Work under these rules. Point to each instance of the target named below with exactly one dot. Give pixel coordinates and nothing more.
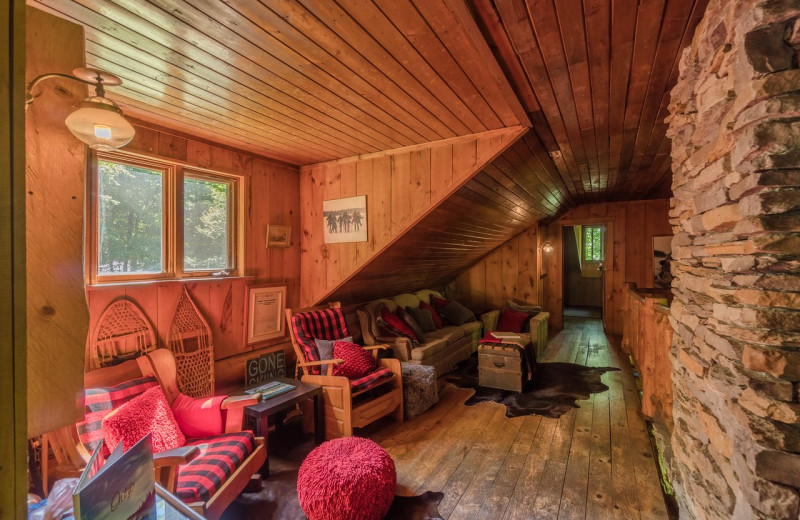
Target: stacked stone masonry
(735, 131)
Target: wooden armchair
(71, 455)
(347, 403)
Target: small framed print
(265, 305)
(278, 236)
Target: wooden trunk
(502, 366)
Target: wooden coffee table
(262, 411)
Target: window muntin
(188, 228)
(593, 243)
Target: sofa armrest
(401, 347)
(166, 464)
(489, 320)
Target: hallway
(593, 462)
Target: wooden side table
(262, 411)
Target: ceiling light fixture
(98, 121)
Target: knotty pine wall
(510, 271)
(272, 197)
(401, 186)
(630, 228)
(54, 183)
(517, 270)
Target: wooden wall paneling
(402, 207)
(527, 277)
(509, 270)
(364, 185)
(635, 233)
(57, 312)
(333, 190)
(349, 188)
(441, 170)
(403, 183)
(258, 214)
(13, 352)
(494, 279)
(382, 184)
(313, 251)
(618, 270)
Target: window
(155, 220)
(592, 243)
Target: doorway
(584, 253)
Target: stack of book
(270, 389)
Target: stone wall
(735, 129)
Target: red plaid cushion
(323, 324)
(372, 379)
(219, 457)
(99, 402)
(357, 361)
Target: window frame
(585, 231)
(172, 245)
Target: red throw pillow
(199, 418)
(357, 361)
(512, 321)
(438, 303)
(395, 324)
(437, 320)
(148, 413)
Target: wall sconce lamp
(547, 247)
(98, 121)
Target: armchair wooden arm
(330, 362)
(375, 348)
(166, 464)
(234, 410)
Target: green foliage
(205, 224)
(130, 219)
(592, 244)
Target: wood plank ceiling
(301, 81)
(595, 77)
(306, 81)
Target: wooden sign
(265, 367)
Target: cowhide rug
(277, 499)
(553, 390)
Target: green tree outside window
(593, 244)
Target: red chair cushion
(372, 379)
(199, 417)
(147, 413)
(218, 459)
(357, 361)
(512, 321)
(437, 320)
(99, 402)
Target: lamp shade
(99, 123)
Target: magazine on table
(121, 488)
(271, 389)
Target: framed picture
(264, 305)
(278, 236)
(345, 220)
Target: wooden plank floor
(593, 462)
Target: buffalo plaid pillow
(99, 402)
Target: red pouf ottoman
(347, 479)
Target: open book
(122, 488)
